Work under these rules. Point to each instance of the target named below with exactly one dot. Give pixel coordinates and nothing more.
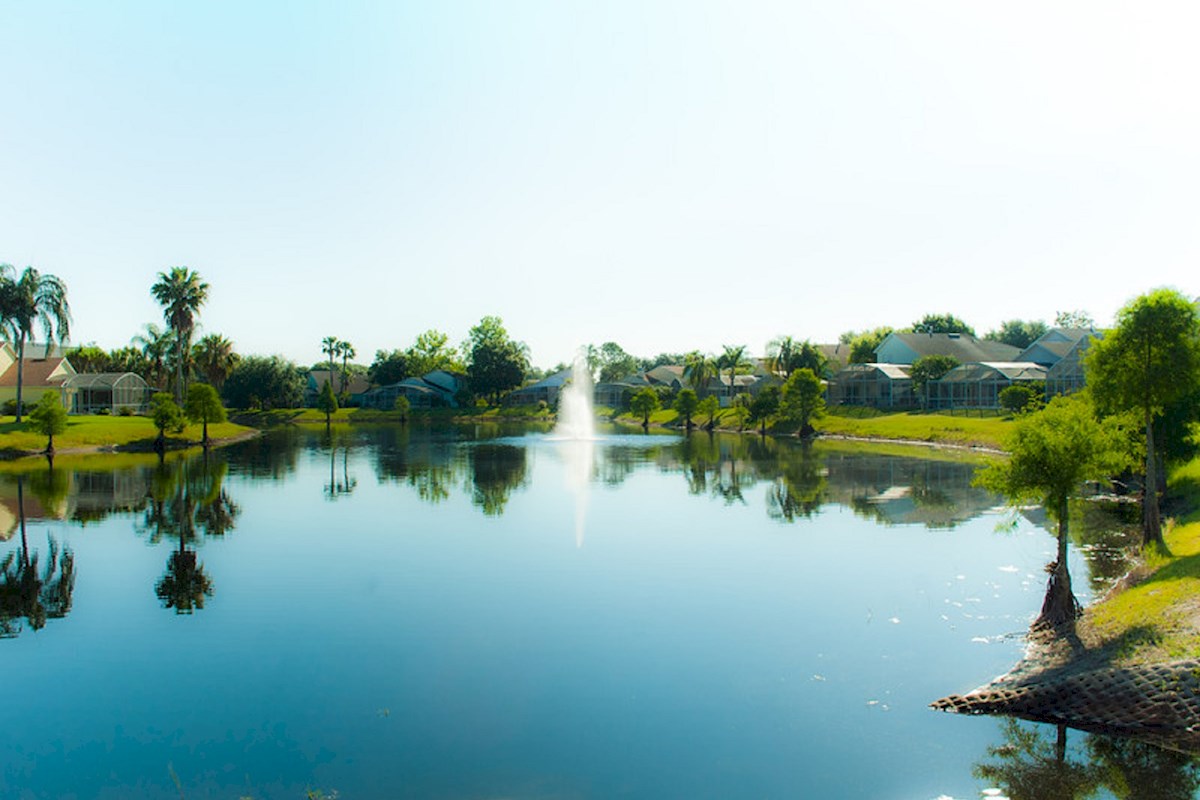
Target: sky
(668, 176)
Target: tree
(346, 351)
(32, 300)
(644, 403)
(1074, 319)
(401, 406)
(49, 418)
(88, 358)
(155, 346)
(785, 355)
(180, 292)
(765, 406)
(327, 402)
(388, 368)
(942, 323)
(615, 363)
(1150, 360)
(204, 406)
(1020, 398)
(930, 368)
(803, 399)
(264, 382)
(698, 369)
(734, 359)
(167, 416)
(432, 351)
(741, 409)
(1018, 333)
(862, 345)
(1052, 453)
(215, 359)
(496, 363)
(329, 346)
(686, 404)
(708, 407)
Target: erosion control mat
(1160, 702)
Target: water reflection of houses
(63, 494)
(896, 490)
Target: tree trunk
(20, 371)
(1151, 521)
(1059, 608)
(204, 438)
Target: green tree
(1020, 398)
(615, 363)
(1018, 333)
(402, 407)
(203, 405)
(1150, 360)
(862, 345)
(388, 368)
(214, 358)
(698, 369)
(741, 409)
(496, 363)
(734, 359)
(49, 418)
(347, 352)
(155, 345)
(264, 382)
(644, 403)
(686, 404)
(930, 368)
(708, 407)
(432, 351)
(329, 346)
(803, 399)
(32, 300)
(327, 402)
(1052, 453)
(167, 416)
(942, 323)
(765, 407)
(180, 292)
(88, 358)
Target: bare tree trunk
(1059, 608)
(20, 371)
(1151, 521)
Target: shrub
(1019, 398)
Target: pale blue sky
(670, 176)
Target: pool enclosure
(108, 393)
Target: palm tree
(698, 370)
(781, 352)
(155, 346)
(329, 346)
(33, 299)
(734, 357)
(215, 359)
(180, 292)
(346, 351)
(24, 593)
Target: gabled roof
(40, 372)
(896, 372)
(1055, 344)
(983, 370)
(963, 346)
(356, 385)
(665, 374)
(555, 381)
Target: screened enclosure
(108, 392)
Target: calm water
(493, 613)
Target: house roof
(963, 346)
(665, 374)
(356, 385)
(38, 372)
(555, 381)
(896, 372)
(93, 380)
(1010, 370)
(40, 350)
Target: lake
(489, 612)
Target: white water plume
(576, 434)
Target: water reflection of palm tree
(187, 499)
(26, 593)
(339, 488)
(496, 471)
(1029, 766)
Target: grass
(1159, 618)
(936, 427)
(101, 432)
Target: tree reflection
(497, 470)
(1029, 766)
(1134, 770)
(187, 500)
(340, 483)
(799, 490)
(28, 592)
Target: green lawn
(987, 431)
(101, 432)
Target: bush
(125, 411)
(1019, 398)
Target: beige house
(46, 369)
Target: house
(547, 390)
(877, 385)
(616, 394)
(356, 386)
(1054, 345)
(978, 384)
(836, 356)
(905, 348)
(108, 393)
(45, 369)
(437, 389)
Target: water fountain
(576, 433)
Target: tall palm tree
(329, 346)
(180, 292)
(698, 369)
(734, 358)
(155, 345)
(33, 299)
(215, 359)
(781, 352)
(346, 351)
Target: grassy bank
(103, 433)
(934, 427)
